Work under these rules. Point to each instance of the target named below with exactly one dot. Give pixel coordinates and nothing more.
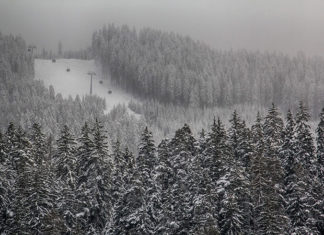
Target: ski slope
(77, 81)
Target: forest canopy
(175, 69)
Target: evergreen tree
(9, 176)
(305, 155)
(230, 215)
(143, 214)
(66, 176)
(127, 200)
(305, 150)
(25, 220)
(239, 140)
(163, 178)
(320, 174)
(217, 151)
(6, 184)
(118, 172)
(272, 128)
(320, 146)
(297, 199)
(288, 148)
(84, 152)
(268, 215)
(66, 160)
(94, 186)
(214, 165)
(39, 145)
(233, 191)
(2, 149)
(35, 197)
(258, 136)
(182, 189)
(204, 196)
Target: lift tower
(91, 74)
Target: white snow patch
(81, 214)
(77, 81)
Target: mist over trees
(25, 101)
(66, 167)
(175, 69)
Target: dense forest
(66, 167)
(263, 179)
(175, 69)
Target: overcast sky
(275, 25)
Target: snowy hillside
(77, 81)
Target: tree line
(263, 179)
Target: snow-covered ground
(77, 81)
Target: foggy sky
(288, 26)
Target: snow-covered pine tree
(290, 164)
(24, 215)
(239, 139)
(268, 214)
(11, 150)
(5, 201)
(297, 199)
(231, 217)
(287, 150)
(35, 197)
(204, 196)
(66, 175)
(118, 172)
(320, 173)
(46, 193)
(320, 146)
(145, 163)
(40, 147)
(122, 221)
(130, 165)
(233, 189)
(7, 176)
(182, 190)
(163, 176)
(272, 129)
(66, 159)
(295, 187)
(305, 154)
(305, 149)
(118, 186)
(234, 133)
(2, 149)
(83, 152)
(202, 141)
(217, 151)
(214, 160)
(257, 136)
(94, 181)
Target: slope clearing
(77, 81)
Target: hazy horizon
(285, 26)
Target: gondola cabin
(109, 92)
(68, 70)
